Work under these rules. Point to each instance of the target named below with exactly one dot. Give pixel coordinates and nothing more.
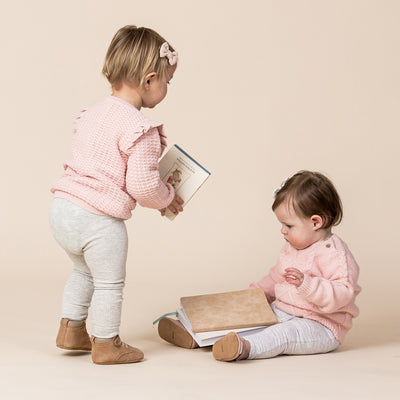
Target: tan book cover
(229, 310)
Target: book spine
(192, 159)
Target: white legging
(293, 335)
(97, 246)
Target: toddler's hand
(293, 276)
(175, 206)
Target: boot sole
(117, 362)
(227, 348)
(72, 348)
(173, 333)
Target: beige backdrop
(263, 89)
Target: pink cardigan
(329, 289)
(114, 161)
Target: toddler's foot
(231, 348)
(172, 331)
(114, 351)
(72, 335)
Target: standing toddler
(112, 166)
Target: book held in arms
(186, 173)
(210, 317)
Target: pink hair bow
(171, 55)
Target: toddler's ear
(148, 78)
(317, 222)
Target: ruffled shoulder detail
(128, 139)
(138, 126)
(163, 139)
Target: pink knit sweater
(328, 292)
(114, 161)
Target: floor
(367, 365)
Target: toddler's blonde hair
(133, 53)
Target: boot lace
(119, 342)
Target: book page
(209, 338)
(187, 174)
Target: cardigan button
(328, 245)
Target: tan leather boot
(73, 337)
(231, 347)
(114, 351)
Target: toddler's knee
(291, 332)
(109, 285)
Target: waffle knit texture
(114, 161)
(327, 294)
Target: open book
(209, 317)
(187, 174)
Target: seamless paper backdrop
(263, 89)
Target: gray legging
(293, 335)
(97, 246)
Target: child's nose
(283, 230)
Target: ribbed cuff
(306, 287)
